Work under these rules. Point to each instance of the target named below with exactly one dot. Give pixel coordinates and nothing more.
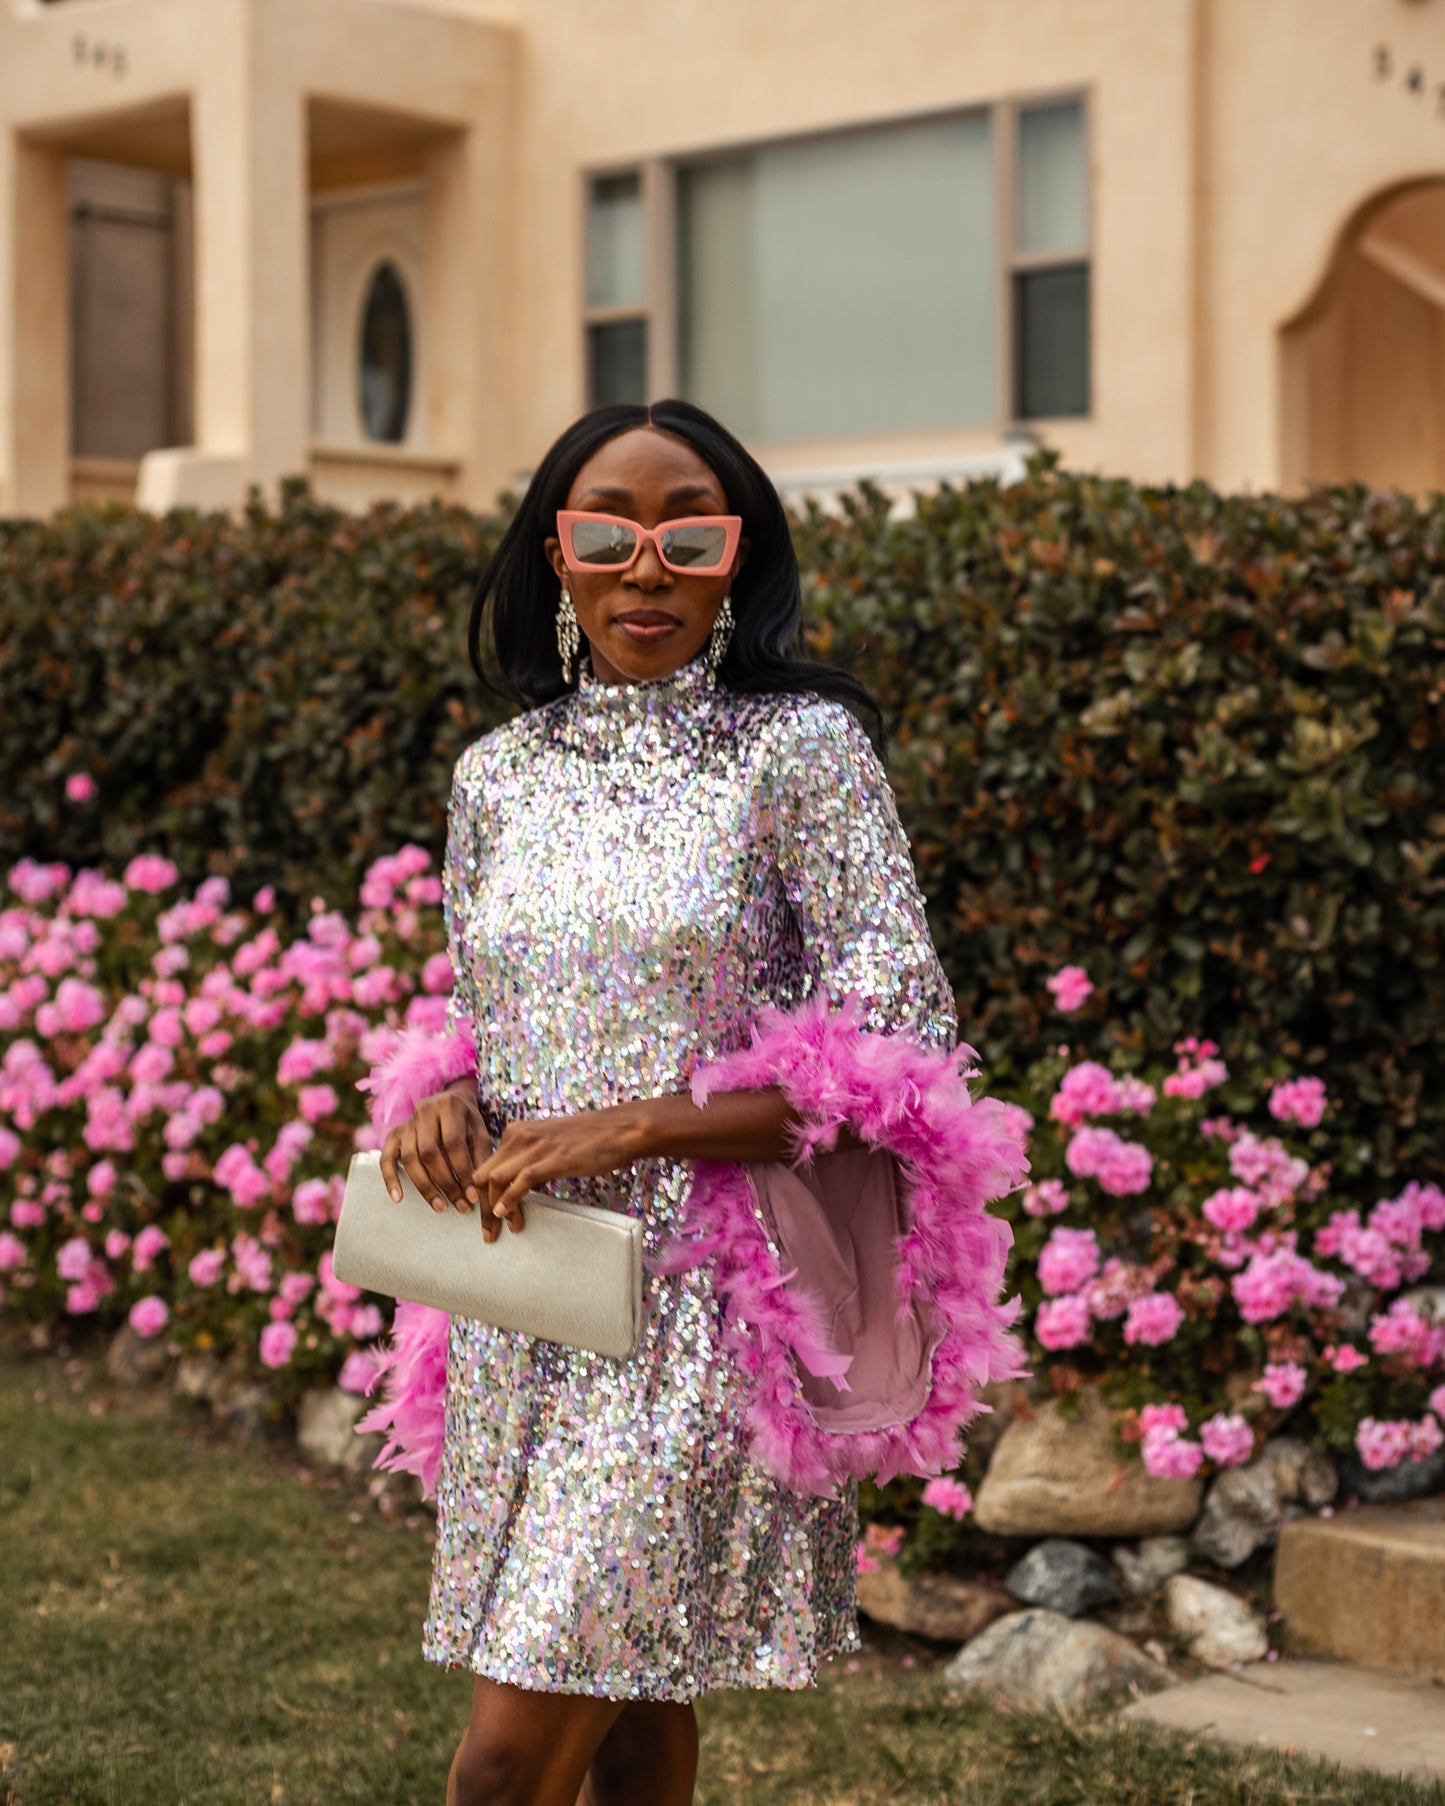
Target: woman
(685, 831)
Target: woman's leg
(524, 1748)
(648, 1758)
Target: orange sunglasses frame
(732, 524)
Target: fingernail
(473, 1194)
(395, 1193)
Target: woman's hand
(535, 1150)
(438, 1146)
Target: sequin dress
(632, 872)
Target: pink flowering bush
(178, 1104)
(1202, 1248)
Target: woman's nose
(649, 572)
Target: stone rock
(1053, 1475)
(944, 1607)
(242, 1408)
(1037, 1660)
(1241, 1514)
(1393, 1485)
(1062, 1577)
(325, 1428)
(1301, 1474)
(133, 1360)
(1215, 1627)
(1245, 1505)
(1150, 1563)
(198, 1376)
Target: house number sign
(1412, 77)
(99, 54)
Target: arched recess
(1363, 363)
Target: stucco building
(397, 245)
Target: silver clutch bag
(573, 1273)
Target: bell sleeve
(861, 1289)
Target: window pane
(845, 286)
(1052, 179)
(1051, 338)
(616, 264)
(383, 375)
(617, 362)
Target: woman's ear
(553, 549)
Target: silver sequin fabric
(632, 872)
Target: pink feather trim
(411, 1362)
(955, 1155)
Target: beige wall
(1234, 144)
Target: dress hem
(731, 1680)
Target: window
(1050, 263)
(922, 276)
(616, 291)
(841, 286)
(384, 367)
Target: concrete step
(1326, 1709)
(1368, 1586)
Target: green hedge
(1192, 742)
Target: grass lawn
(187, 1623)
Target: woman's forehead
(650, 465)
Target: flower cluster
(178, 1102)
(1176, 1250)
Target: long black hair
(515, 606)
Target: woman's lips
(647, 624)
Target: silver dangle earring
(569, 637)
(718, 639)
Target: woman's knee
(492, 1770)
(649, 1754)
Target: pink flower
(116, 1244)
(1227, 1440)
(1153, 1319)
(150, 872)
(207, 1266)
(303, 1059)
(1068, 1260)
(1049, 1197)
(1282, 1383)
(1382, 1444)
(1159, 1420)
(239, 1174)
(950, 1498)
(149, 1316)
(1232, 1209)
(253, 1265)
(148, 1244)
(316, 1101)
(25, 1214)
(73, 1259)
(80, 787)
(1345, 1359)
(277, 1342)
(1425, 1438)
(1087, 1089)
(1169, 1457)
(1298, 1100)
(436, 975)
(1121, 1167)
(313, 1200)
(265, 900)
(429, 1013)
(12, 1252)
(214, 1045)
(1063, 1323)
(1436, 1401)
(1403, 1331)
(294, 1287)
(1070, 985)
(100, 1180)
(357, 1371)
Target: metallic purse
(573, 1274)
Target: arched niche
(1363, 362)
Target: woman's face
(645, 476)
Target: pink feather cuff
(787, 1317)
(410, 1366)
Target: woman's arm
(442, 1146)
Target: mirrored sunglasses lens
(698, 547)
(602, 542)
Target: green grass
(185, 1623)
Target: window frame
(658, 193)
